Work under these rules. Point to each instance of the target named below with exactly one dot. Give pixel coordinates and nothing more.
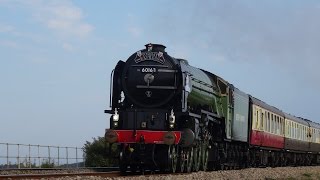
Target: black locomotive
(170, 116)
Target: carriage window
(291, 129)
(304, 133)
(295, 130)
(309, 133)
(265, 121)
(275, 124)
(281, 126)
(262, 123)
(286, 126)
(272, 123)
(257, 119)
(268, 122)
(299, 131)
(254, 118)
(312, 131)
(278, 126)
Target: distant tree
(47, 164)
(97, 153)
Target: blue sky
(56, 57)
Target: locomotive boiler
(167, 115)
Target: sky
(57, 56)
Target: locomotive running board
(107, 111)
(211, 114)
(155, 87)
(189, 114)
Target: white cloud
(10, 44)
(68, 47)
(133, 28)
(135, 31)
(285, 35)
(62, 17)
(4, 28)
(39, 60)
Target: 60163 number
(148, 70)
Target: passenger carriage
(267, 125)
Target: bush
(47, 164)
(96, 153)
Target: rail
(40, 156)
(60, 175)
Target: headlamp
(115, 117)
(172, 119)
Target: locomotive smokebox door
(149, 78)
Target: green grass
(291, 178)
(307, 175)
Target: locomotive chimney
(155, 47)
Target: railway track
(305, 172)
(69, 173)
(59, 175)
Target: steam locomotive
(170, 116)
